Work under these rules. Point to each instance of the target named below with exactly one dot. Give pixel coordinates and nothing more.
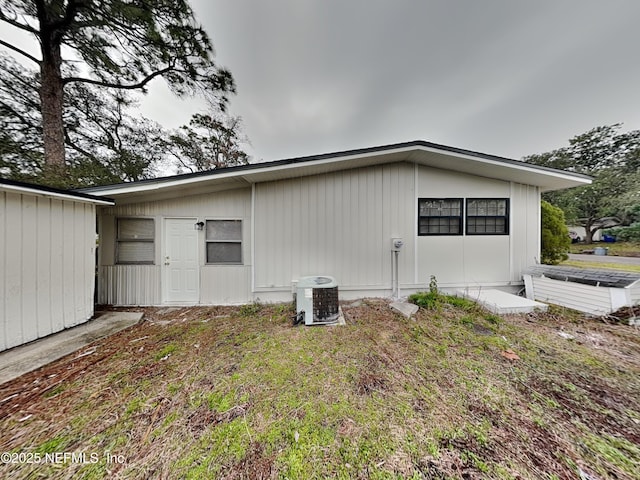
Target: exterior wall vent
(317, 300)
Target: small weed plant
(250, 309)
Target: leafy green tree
(209, 141)
(555, 235)
(613, 160)
(627, 234)
(120, 45)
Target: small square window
(135, 241)
(439, 216)
(224, 241)
(487, 216)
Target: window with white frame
(439, 216)
(224, 241)
(487, 216)
(135, 241)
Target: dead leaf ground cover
(226, 392)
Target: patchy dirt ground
(226, 392)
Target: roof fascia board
(76, 197)
(133, 187)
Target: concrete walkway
(26, 358)
(605, 259)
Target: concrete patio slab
(500, 303)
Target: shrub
(626, 234)
(555, 235)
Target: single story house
(241, 234)
(47, 260)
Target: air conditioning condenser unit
(317, 300)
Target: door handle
(166, 261)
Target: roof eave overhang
(485, 166)
(71, 196)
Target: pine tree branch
(132, 86)
(15, 23)
(69, 15)
(78, 148)
(23, 119)
(20, 51)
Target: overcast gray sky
(505, 77)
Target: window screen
(439, 216)
(487, 216)
(135, 241)
(224, 241)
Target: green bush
(626, 234)
(555, 235)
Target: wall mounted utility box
(317, 300)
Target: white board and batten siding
(341, 224)
(143, 284)
(337, 224)
(333, 214)
(47, 263)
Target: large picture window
(224, 241)
(439, 216)
(487, 216)
(135, 239)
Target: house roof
(588, 276)
(417, 152)
(30, 188)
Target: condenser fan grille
(325, 304)
(317, 300)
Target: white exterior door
(180, 270)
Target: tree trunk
(51, 100)
(588, 236)
(588, 233)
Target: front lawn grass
(622, 267)
(622, 249)
(224, 392)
